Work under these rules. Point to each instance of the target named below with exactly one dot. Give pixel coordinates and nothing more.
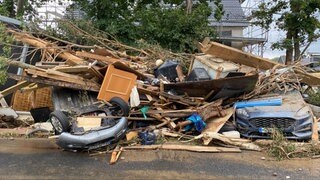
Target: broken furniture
(216, 67)
(217, 88)
(117, 83)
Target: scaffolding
(254, 47)
(51, 11)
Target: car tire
(119, 107)
(60, 122)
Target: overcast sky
(274, 35)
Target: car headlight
(243, 113)
(306, 128)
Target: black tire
(60, 122)
(119, 107)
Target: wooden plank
(104, 52)
(142, 90)
(33, 87)
(211, 149)
(115, 155)
(3, 102)
(317, 74)
(69, 79)
(165, 133)
(63, 75)
(171, 124)
(242, 143)
(95, 72)
(72, 69)
(178, 99)
(49, 65)
(80, 69)
(309, 79)
(211, 109)
(215, 124)
(238, 56)
(14, 88)
(52, 82)
(104, 59)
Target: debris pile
(172, 106)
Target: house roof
(233, 16)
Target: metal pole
(23, 57)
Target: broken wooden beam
(211, 109)
(242, 143)
(48, 46)
(235, 55)
(215, 124)
(72, 69)
(238, 56)
(103, 59)
(60, 77)
(52, 82)
(49, 65)
(14, 88)
(142, 90)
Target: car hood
(278, 111)
(293, 106)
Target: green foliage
(5, 43)
(298, 18)
(280, 148)
(7, 8)
(219, 12)
(172, 29)
(3, 70)
(165, 24)
(25, 10)
(314, 98)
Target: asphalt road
(41, 159)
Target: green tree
(7, 8)
(165, 23)
(219, 12)
(20, 8)
(296, 17)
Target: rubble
(165, 103)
